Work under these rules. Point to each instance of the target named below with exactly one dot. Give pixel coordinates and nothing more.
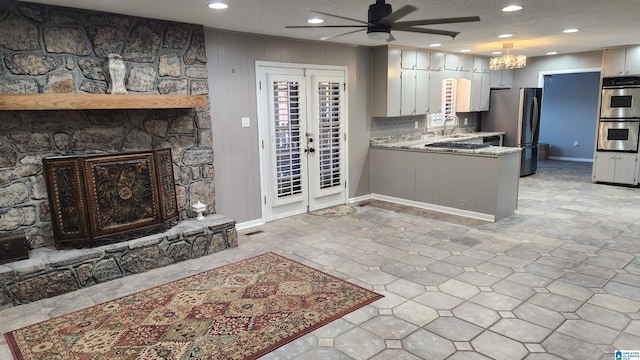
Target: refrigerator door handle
(535, 118)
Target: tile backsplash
(406, 125)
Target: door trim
(261, 124)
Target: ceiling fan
(382, 20)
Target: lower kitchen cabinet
(616, 167)
(484, 187)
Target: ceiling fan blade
(437, 21)
(398, 14)
(347, 33)
(323, 26)
(453, 34)
(339, 17)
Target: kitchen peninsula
(455, 174)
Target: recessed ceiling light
(504, 36)
(568, 31)
(552, 53)
(315, 20)
(218, 5)
(465, 50)
(435, 45)
(496, 53)
(512, 8)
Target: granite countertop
(417, 142)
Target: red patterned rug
(238, 311)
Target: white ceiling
(537, 28)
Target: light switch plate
(246, 122)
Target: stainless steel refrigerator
(516, 112)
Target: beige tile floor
(558, 280)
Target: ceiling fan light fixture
(378, 35)
(507, 61)
(218, 5)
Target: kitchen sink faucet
(444, 125)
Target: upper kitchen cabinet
(473, 95)
(399, 88)
(437, 61)
(386, 81)
(501, 79)
(621, 61)
(415, 59)
(481, 65)
(458, 62)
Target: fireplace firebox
(104, 198)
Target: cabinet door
(422, 60)
(614, 62)
(632, 61)
(476, 90)
(625, 169)
(393, 173)
(485, 92)
(451, 61)
(604, 167)
(422, 92)
(408, 95)
(465, 63)
(481, 65)
(435, 92)
(507, 78)
(408, 60)
(437, 61)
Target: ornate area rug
(238, 311)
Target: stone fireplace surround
(48, 49)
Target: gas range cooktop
(458, 145)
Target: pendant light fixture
(507, 61)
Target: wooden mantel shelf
(99, 101)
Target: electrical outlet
(416, 124)
(576, 143)
(246, 122)
(466, 121)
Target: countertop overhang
(418, 142)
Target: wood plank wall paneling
(231, 61)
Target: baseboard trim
(358, 199)
(562, 158)
(433, 207)
(249, 224)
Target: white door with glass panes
(302, 131)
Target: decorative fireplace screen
(110, 197)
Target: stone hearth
(51, 272)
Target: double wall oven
(619, 125)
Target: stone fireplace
(54, 50)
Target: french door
(302, 132)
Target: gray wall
(231, 66)
(569, 113)
(528, 76)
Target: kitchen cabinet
(436, 61)
(387, 83)
(615, 167)
(621, 61)
(458, 62)
(501, 79)
(415, 59)
(473, 95)
(481, 65)
(483, 187)
(408, 95)
(435, 91)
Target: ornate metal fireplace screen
(104, 198)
